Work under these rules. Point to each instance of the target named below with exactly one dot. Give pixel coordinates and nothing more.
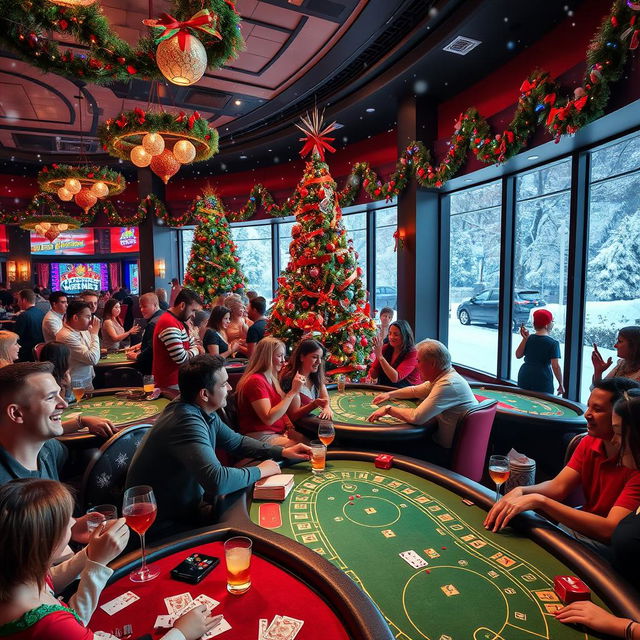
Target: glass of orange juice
(326, 432)
(499, 471)
(77, 389)
(237, 555)
(318, 456)
(148, 383)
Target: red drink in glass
(140, 516)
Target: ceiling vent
(462, 45)
(74, 145)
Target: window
(386, 294)
(186, 236)
(474, 268)
(254, 251)
(541, 250)
(285, 241)
(356, 226)
(613, 277)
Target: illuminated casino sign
(78, 242)
(124, 239)
(73, 278)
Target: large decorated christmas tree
(213, 266)
(320, 292)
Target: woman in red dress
(35, 527)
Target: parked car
(483, 307)
(386, 297)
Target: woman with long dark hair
(113, 333)
(215, 339)
(396, 363)
(627, 348)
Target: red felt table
(273, 591)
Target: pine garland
(50, 179)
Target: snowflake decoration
(103, 480)
(121, 460)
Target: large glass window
(254, 251)
(356, 226)
(475, 276)
(285, 241)
(613, 273)
(186, 236)
(541, 250)
(386, 294)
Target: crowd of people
(185, 348)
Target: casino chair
(471, 440)
(122, 377)
(37, 350)
(105, 476)
(576, 497)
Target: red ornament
(314, 272)
(321, 193)
(363, 341)
(340, 259)
(330, 247)
(305, 304)
(304, 192)
(201, 279)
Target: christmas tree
(213, 266)
(320, 293)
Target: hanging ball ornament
(140, 157)
(153, 144)
(184, 151)
(100, 190)
(85, 199)
(72, 185)
(64, 194)
(178, 66)
(165, 165)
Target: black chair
(122, 377)
(576, 497)
(103, 481)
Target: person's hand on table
(515, 502)
(381, 397)
(99, 426)
(377, 414)
(269, 468)
(326, 413)
(132, 354)
(590, 614)
(195, 624)
(297, 451)
(108, 541)
(599, 363)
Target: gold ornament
(72, 185)
(100, 190)
(140, 157)
(153, 144)
(85, 199)
(184, 151)
(182, 67)
(65, 195)
(165, 165)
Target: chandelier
(46, 218)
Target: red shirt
(171, 348)
(407, 368)
(604, 482)
(256, 388)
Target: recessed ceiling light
(532, 157)
(370, 110)
(237, 102)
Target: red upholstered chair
(469, 450)
(37, 350)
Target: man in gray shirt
(178, 459)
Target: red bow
(203, 21)
(317, 142)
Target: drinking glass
(148, 383)
(78, 390)
(101, 513)
(237, 555)
(326, 432)
(318, 456)
(499, 472)
(140, 509)
(342, 383)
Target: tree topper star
(315, 138)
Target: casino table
(477, 585)
(537, 424)
(114, 359)
(121, 411)
(282, 582)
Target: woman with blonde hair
(261, 404)
(238, 325)
(9, 347)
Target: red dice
(384, 461)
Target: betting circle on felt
(354, 406)
(119, 410)
(477, 585)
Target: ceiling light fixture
(370, 110)
(532, 157)
(237, 102)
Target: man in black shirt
(142, 353)
(257, 309)
(28, 325)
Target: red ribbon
(317, 142)
(170, 24)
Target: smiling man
(611, 490)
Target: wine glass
(499, 471)
(140, 509)
(326, 432)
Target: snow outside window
(254, 250)
(386, 294)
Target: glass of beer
(499, 472)
(342, 383)
(77, 388)
(326, 432)
(237, 555)
(318, 456)
(148, 384)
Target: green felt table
(117, 358)
(477, 585)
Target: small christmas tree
(213, 266)
(321, 292)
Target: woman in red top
(35, 527)
(261, 404)
(396, 363)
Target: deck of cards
(281, 628)
(182, 603)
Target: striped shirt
(172, 347)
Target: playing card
(413, 559)
(263, 625)
(221, 627)
(119, 603)
(202, 599)
(283, 628)
(178, 602)
(163, 622)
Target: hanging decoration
(31, 29)
(85, 184)
(45, 217)
(161, 140)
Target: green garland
(539, 104)
(25, 26)
(52, 178)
